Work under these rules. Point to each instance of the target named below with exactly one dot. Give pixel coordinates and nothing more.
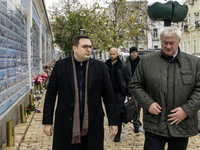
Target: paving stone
(34, 139)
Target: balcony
(155, 39)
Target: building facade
(190, 27)
(153, 34)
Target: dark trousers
(156, 142)
(119, 98)
(82, 145)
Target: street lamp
(82, 31)
(170, 11)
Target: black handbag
(128, 111)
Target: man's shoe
(140, 123)
(117, 138)
(136, 130)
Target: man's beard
(114, 59)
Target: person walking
(166, 84)
(80, 82)
(120, 78)
(132, 62)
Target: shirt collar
(175, 54)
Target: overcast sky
(49, 2)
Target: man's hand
(178, 114)
(48, 130)
(113, 130)
(155, 108)
(128, 98)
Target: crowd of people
(165, 84)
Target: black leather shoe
(117, 138)
(136, 130)
(140, 123)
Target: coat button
(70, 119)
(72, 104)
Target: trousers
(156, 142)
(82, 145)
(119, 98)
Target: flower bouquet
(37, 81)
(37, 96)
(29, 109)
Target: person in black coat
(132, 62)
(80, 83)
(120, 78)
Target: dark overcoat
(61, 83)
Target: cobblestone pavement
(35, 139)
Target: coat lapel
(69, 70)
(91, 73)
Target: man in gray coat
(167, 86)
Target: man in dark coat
(132, 62)
(80, 83)
(120, 78)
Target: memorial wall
(26, 46)
(14, 71)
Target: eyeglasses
(87, 46)
(170, 43)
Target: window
(188, 19)
(191, 2)
(155, 46)
(181, 25)
(155, 33)
(181, 46)
(189, 47)
(184, 46)
(195, 17)
(194, 47)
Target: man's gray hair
(168, 31)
